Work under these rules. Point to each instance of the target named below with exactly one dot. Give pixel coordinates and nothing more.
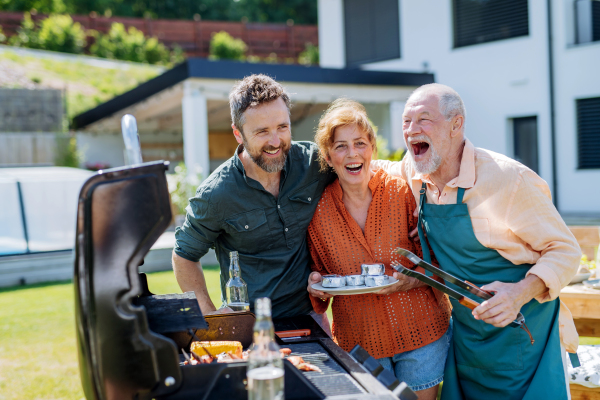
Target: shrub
(59, 33)
(67, 154)
(182, 186)
(2, 36)
(129, 45)
(310, 55)
(384, 154)
(224, 46)
(55, 33)
(27, 35)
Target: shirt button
(286, 229)
(309, 199)
(246, 227)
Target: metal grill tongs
(465, 285)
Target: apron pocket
(483, 346)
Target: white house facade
(527, 70)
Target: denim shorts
(421, 368)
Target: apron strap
(460, 195)
(574, 360)
(422, 238)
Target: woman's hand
(404, 283)
(313, 278)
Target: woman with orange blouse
(362, 218)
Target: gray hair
(450, 102)
(252, 91)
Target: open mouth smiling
(354, 169)
(419, 148)
(272, 152)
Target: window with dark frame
(587, 21)
(588, 133)
(372, 31)
(482, 21)
(525, 142)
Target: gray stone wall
(24, 110)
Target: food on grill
(203, 360)
(380, 280)
(217, 347)
(302, 365)
(295, 360)
(285, 351)
(372, 269)
(355, 280)
(306, 366)
(231, 357)
(333, 281)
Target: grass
(86, 86)
(38, 358)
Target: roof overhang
(214, 79)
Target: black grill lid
(121, 213)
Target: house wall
(577, 76)
(499, 81)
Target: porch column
(396, 137)
(195, 130)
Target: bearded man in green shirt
(258, 203)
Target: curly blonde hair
(340, 113)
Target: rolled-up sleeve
(533, 218)
(201, 228)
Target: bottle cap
(262, 306)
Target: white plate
(580, 277)
(592, 283)
(348, 290)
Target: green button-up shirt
(234, 212)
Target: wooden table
(584, 304)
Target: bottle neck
(264, 331)
(234, 268)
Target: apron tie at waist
(526, 329)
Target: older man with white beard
(490, 220)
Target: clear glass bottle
(236, 289)
(265, 364)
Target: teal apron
(485, 362)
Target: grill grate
(334, 380)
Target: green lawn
(37, 337)
(86, 85)
(38, 359)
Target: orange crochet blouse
(383, 325)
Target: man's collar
(466, 175)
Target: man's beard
(268, 165)
(431, 164)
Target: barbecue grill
(129, 340)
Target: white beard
(428, 166)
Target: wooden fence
(27, 148)
(194, 36)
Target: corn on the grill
(217, 347)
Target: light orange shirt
(383, 325)
(512, 212)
